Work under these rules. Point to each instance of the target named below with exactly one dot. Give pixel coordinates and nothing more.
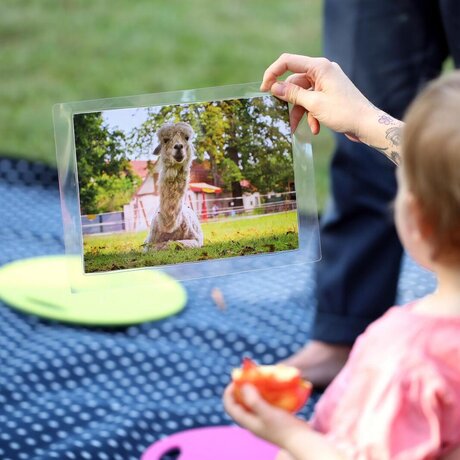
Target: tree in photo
(105, 178)
(241, 138)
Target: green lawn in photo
(222, 239)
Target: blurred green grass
(56, 51)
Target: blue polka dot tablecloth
(70, 392)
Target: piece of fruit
(280, 385)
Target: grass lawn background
(227, 238)
(56, 51)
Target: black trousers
(390, 49)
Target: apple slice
(279, 385)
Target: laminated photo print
(197, 183)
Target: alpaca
(174, 221)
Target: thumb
(294, 94)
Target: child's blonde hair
(431, 160)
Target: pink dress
(398, 396)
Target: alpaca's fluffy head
(175, 146)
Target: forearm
(383, 133)
(305, 444)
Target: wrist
(295, 436)
(306, 444)
(367, 123)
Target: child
(398, 396)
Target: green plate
(41, 286)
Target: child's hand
(266, 421)
(295, 437)
(320, 88)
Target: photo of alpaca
(174, 221)
(173, 184)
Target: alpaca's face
(176, 146)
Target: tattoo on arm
(392, 132)
(395, 157)
(394, 135)
(386, 120)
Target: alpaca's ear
(157, 150)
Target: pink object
(398, 396)
(211, 443)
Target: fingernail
(279, 89)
